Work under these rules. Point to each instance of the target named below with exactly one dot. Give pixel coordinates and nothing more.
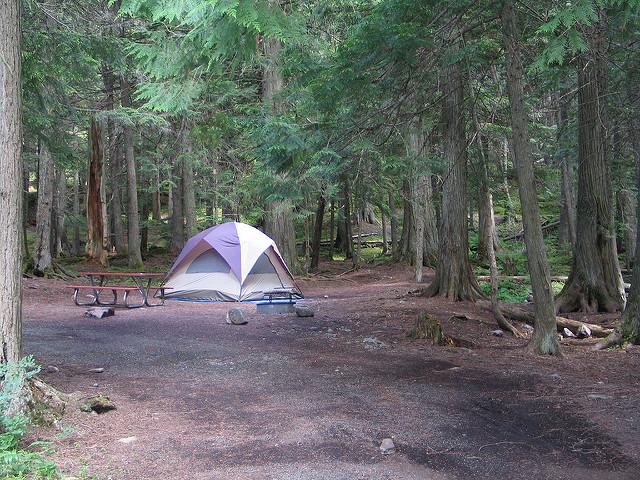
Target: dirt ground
(311, 398)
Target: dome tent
(231, 262)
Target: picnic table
(142, 283)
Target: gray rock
(96, 370)
(303, 311)
(100, 312)
(131, 439)
(598, 396)
(235, 316)
(568, 333)
(497, 333)
(372, 342)
(583, 331)
(52, 369)
(555, 376)
(526, 326)
(387, 447)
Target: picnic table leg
(81, 304)
(129, 305)
(160, 302)
(115, 298)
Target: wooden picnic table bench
(142, 284)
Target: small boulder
(96, 370)
(235, 316)
(97, 403)
(497, 333)
(568, 333)
(52, 369)
(387, 447)
(584, 331)
(303, 311)
(100, 312)
(127, 440)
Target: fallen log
(517, 313)
(545, 228)
(520, 278)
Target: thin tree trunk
(317, 233)
(95, 228)
(627, 213)
(133, 217)
(25, 210)
(60, 210)
(486, 224)
(348, 230)
(188, 189)
(544, 340)
(76, 214)
(383, 220)
(454, 277)
(42, 256)
(419, 217)
(567, 228)
(393, 226)
(595, 283)
(177, 217)
(144, 229)
(10, 185)
(504, 169)
(332, 229)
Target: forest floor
(311, 398)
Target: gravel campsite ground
(312, 398)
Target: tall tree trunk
(454, 278)
(133, 217)
(95, 228)
(544, 340)
(76, 214)
(317, 233)
(188, 188)
(177, 216)
(595, 283)
(10, 185)
(504, 170)
(348, 230)
(279, 213)
(567, 228)
(42, 255)
(25, 210)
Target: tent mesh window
(263, 265)
(209, 262)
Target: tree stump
(428, 328)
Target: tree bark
(544, 339)
(595, 283)
(42, 255)
(95, 228)
(454, 277)
(332, 228)
(10, 185)
(317, 233)
(383, 220)
(567, 228)
(134, 253)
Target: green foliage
(17, 462)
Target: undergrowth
(17, 461)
